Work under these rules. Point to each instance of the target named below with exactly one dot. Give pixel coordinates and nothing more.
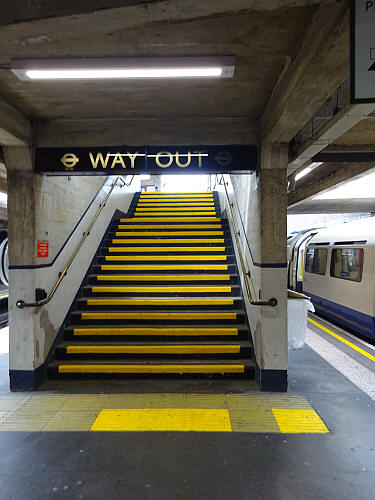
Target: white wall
(59, 204)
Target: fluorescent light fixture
(126, 68)
(145, 177)
(308, 169)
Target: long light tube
(96, 74)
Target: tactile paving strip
(159, 412)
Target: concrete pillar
(271, 338)
(21, 234)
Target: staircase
(163, 296)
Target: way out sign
(362, 57)
(42, 249)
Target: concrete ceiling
(262, 42)
(291, 55)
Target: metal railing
(246, 273)
(21, 303)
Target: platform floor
(247, 463)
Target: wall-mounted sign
(42, 249)
(362, 51)
(150, 160)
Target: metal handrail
(21, 304)
(271, 302)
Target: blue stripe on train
(345, 316)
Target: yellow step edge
(187, 301)
(154, 349)
(166, 331)
(172, 315)
(153, 239)
(175, 209)
(171, 226)
(112, 258)
(157, 204)
(150, 234)
(166, 249)
(146, 194)
(164, 267)
(175, 214)
(162, 289)
(169, 219)
(178, 368)
(165, 277)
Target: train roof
(353, 232)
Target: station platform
(219, 439)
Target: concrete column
(271, 338)
(21, 234)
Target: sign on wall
(362, 57)
(42, 248)
(150, 160)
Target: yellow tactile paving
(165, 249)
(163, 419)
(261, 413)
(299, 421)
(184, 301)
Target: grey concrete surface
(225, 466)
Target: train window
(347, 263)
(316, 260)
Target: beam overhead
(320, 65)
(325, 177)
(15, 129)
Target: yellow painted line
(168, 219)
(186, 301)
(165, 267)
(166, 249)
(163, 419)
(172, 226)
(163, 277)
(156, 240)
(342, 339)
(299, 421)
(157, 234)
(175, 209)
(153, 349)
(165, 257)
(172, 315)
(162, 289)
(166, 331)
(4, 294)
(152, 368)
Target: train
(335, 266)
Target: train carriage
(339, 274)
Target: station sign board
(146, 160)
(362, 51)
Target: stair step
(164, 267)
(187, 348)
(142, 249)
(158, 316)
(159, 331)
(175, 367)
(162, 289)
(178, 258)
(165, 234)
(175, 218)
(161, 303)
(163, 277)
(154, 240)
(176, 225)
